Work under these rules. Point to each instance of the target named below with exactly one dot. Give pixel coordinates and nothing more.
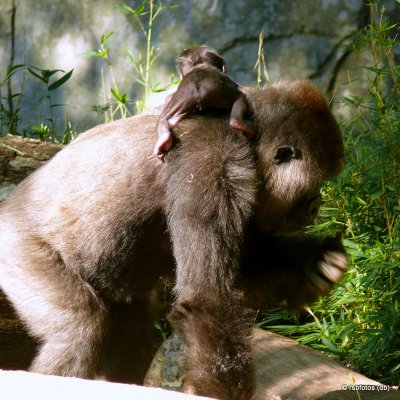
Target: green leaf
(105, 37)
(332, 347)
(91, 53)
(41, 77)
(47, 74)
(15, 68)
(361, 201)
(140, 81)
(130, 55)
(61, 81)
(121, 98)
(116, 94)
(376, 195)
(137, 11)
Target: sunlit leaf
(105, 37)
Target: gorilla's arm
(208, 204)
(297, 269)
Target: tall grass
(118, 105)
(360, 321)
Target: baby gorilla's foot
(246, 127)
(163, 145)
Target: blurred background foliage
(122, 52)
(359, 323)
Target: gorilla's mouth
(302, 215)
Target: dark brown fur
(85, 239)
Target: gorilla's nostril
(284, 154)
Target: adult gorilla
(85, 239)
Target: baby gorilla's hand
(325, 268)
(329, 269)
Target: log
(286, 370)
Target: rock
(5, 190)
(302, 40)
(19, 157)
(166, 369)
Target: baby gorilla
(204, 84)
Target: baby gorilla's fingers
(329, 271)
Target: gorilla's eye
(284, 154)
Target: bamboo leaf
(105, 37)
(136, 11)
(15, 68)
(61, 81)
(40, 77)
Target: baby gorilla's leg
(165, 140)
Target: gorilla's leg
(60, 309)
(131, 342)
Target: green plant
(10, 104)
(120, 100)
(46, 77)
(360, 322)
(10, 115)
(116, 105)
(262, 73)
(144, 15)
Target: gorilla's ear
(284, 154)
